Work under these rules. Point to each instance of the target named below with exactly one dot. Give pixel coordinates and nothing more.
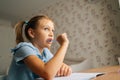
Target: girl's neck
(39, 48)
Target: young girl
(31, 56)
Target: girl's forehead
(45, 22)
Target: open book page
(77, 76)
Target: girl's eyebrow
(48, 26)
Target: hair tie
(23, 32)
(26, 22)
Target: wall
(92, 26)
(93, 29)
(6, 43)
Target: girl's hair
(32, 23)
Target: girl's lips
(49, 40)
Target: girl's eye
(46, 29)
(53, 30)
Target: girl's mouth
(50, 40)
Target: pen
(99, 75)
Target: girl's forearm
(55, 63)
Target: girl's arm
(48, 70)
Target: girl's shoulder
(23, 44)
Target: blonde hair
(32, 23)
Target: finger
(58, 73)
(62, 70)
(65, 35)
(69, 71)
(66, 71)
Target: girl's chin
(48, 46)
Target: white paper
(76, 76)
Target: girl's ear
(31, 32)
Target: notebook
(77, 76)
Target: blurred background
(93, 28)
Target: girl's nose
(51, 34)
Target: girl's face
(44, 34)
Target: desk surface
(111, 73)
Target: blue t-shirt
(18, 70)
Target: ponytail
(18, 31)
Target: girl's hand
(62, 39)
(64, 70)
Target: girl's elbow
(48, 76)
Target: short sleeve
(22, 51)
